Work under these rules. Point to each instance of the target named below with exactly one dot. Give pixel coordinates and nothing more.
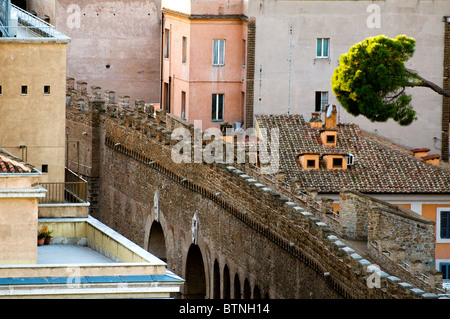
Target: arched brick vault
(221, 236)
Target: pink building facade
(204, 53)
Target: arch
(247, 290)
(256, 292)
(157, 242)
(195, 285)
(216, 280)
(226, 283)
(236, 287)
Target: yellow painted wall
(34, 120)
(18, 230)
(429, 211)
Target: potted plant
(44, 236)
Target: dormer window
(334, 161)
(308, 161)
(328, 137)
(311, 163)
(337, 162)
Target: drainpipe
(162, 61)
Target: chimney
(432, 159)
(331, 116)
(315, 120)
(420, 152)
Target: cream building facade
(32, 96)
(298, 44)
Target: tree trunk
(425, 83)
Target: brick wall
(446, 100)
(259, 234)
(249, 106)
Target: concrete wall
(35, 120)
(115, 45)
(18, 219)
(345, 23)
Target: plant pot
(41, 241)
(47, 240)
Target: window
(24, 90)
(351, 159)
(323, 48)
(311, 164)
(183, 105)
(184, 50)
(217, 107)
(445, 224)
(444, 268)
(47, 90)
(219, 52)
(330, 139)
(44, 168)
(0, 90)
(321, 101)
(337, 162)
(166, 93)
(166, 43)
(244, 49)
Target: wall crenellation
(144, 134)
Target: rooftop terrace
(88, 259)
(17, 25)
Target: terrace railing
(74, 190)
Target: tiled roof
(10, 164)
(377, 168)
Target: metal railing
(60, 193)
(24, 24)
(74, 190)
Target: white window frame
(440, 240)
(216, 107)
(438, 264)
(323, 102)
(322, 56)
(217, 58)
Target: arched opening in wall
(226, 283)
(216, 281)
(195, 285)
(157, 242)
(256, 292)
(237, 287)
(247, 290)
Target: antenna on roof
(290, 69)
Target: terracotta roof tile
(10, 164)
(377, 167)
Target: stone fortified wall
(296, 226)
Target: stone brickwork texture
(261, 236)
(446, 100)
